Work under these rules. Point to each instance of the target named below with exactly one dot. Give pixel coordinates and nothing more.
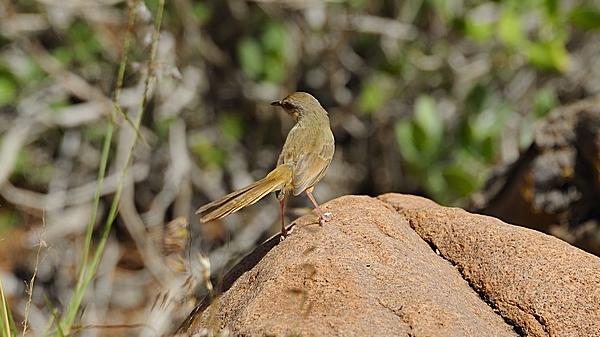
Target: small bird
(304, 159)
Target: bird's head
(300, 104)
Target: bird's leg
(284, 232)
(323, 217)
(281, 198)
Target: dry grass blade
(40, 244)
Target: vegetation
(117, 118)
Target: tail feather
(275, 180)
(226, 198)
(238, 199)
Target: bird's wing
(312, 164)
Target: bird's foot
(285, 233)
(325, 217)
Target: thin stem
(84, 273)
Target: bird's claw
(285, 233)
(325, 217)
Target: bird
(304, 159)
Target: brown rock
(538, 283)
(554, 186)
(368, 273)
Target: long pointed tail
(275, 180)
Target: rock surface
(373, 271)
(554, 185)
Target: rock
(554, 186)
(541, 285)
(374, 271)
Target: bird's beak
(276, 103)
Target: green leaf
(275, 70)
(435, 183)
(29, 71)
(478, 31)
(201, 11)
(488, 150)
(58, 105)
(232, 126)
(85, 46)
(423, 143)
(275, 38)
(208, 153)
(162, 128)
(428, 119)
(561, 59)
(95, 133)
(375, 92)
(510, 28)
(371, 98)
(22, 163)
(477, 99)
(544, 101)
(586, 17)
(251, 58)
(63, 55)
(459, 180)
(552, 7)
(8, 219)
(549, 56)
(489, 122)
(8, 90)
(405, 139)
(540, 57)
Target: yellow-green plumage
(304, 159)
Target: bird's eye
(287, 106)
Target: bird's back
(309, 146)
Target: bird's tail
(275, 180)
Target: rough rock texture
(371, 271)
(538, 283)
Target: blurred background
(425, 97)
